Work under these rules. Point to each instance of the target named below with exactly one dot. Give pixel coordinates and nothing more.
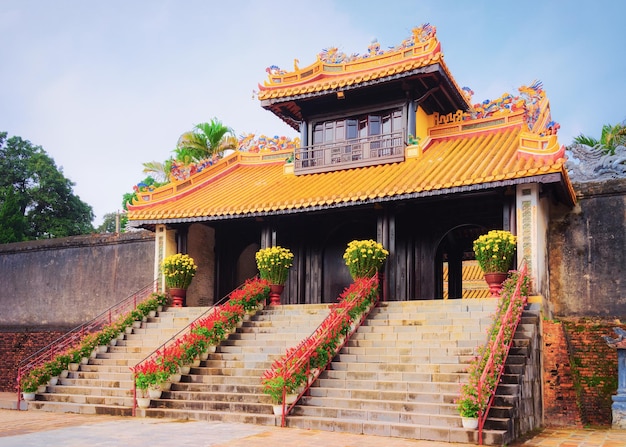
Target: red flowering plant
(233, 314)
(253, 293)
(150, 374)
(293, 369)
(207, 331)
(170, 357)
(486, 368)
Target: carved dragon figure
(586, 163)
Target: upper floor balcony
(352, 153)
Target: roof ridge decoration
(420, 49)
(420, 35)
(530, 109)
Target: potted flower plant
(364, 258)
(179, 270)
(469, 406)
(494, 252)
(29, 384)
(274, 264)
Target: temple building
(391, 148)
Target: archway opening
(457, 274)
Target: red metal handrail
(331, 323)
(73, 337)
(510, 321)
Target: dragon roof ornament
(589, 164)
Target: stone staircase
(227, 386)
(105, 384)
(398, 375)
(401, 372)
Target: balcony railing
(354, 153)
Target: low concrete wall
(61, 283)
(587, 251)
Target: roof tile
(251, 188)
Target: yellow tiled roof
(242, 185)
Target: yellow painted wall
(422, 123)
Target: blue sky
(104, 86)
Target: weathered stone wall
(587, 253)
(60, 283)
(51, 286)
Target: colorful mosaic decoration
(251, 143)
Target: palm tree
(611, 137)
(159, 171)
(205, 141)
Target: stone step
(208, 373)
(207, 380)
(400, 362)
(402, 430)
(86, 383)
(354, 341)
(374, 386)
(416, 414)
(436, 396)
(245, 363)
(122, 388)
(343, 365)
(217, 396)
(90, 399)
(191, 404)
(291, 338)
(243, 388)
(395, 376)
(412, 337)
(407, 352)
(247, 352)
(73, 407)
(235, 417)
(98, 374)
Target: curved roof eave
(544, 178)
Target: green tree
(12, 222)
(611, 137)
(204, 141)
(43, 197)
(109, 223)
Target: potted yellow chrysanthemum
(364, 258)
(494, 252)
(274, 264)
(178, 270)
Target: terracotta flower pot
(275, 291)
(178, 296)
(494, 281)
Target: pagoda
(391, 149)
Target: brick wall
(559, 395)
(594, 367)
(14, 347)
(580, 372)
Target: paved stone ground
(35, 428)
